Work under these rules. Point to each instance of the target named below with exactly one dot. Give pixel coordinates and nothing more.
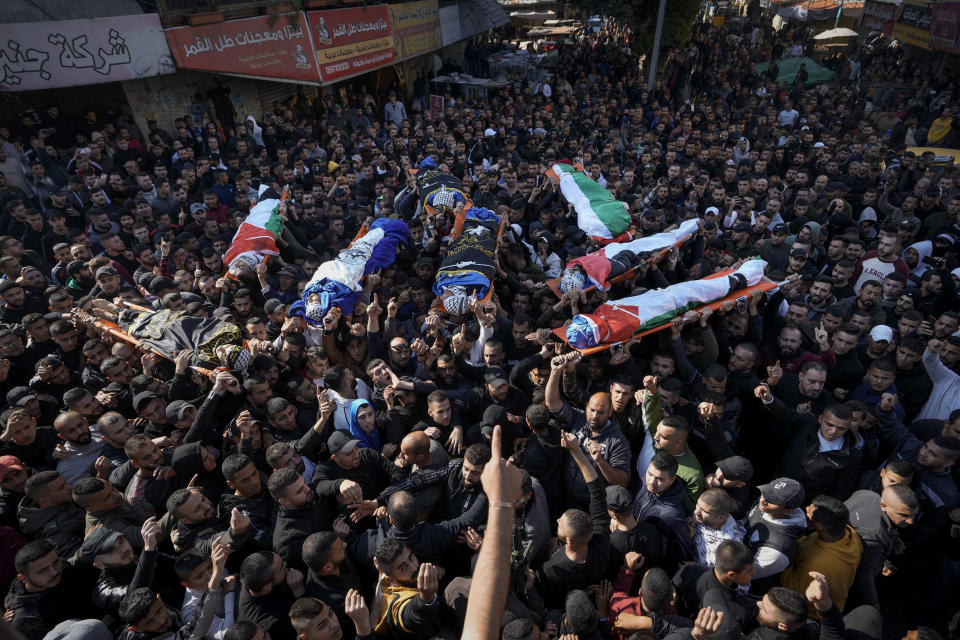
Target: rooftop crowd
(781, 468)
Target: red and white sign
(351, 41)
(945, 27)
(261, 46)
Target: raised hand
(357, 610)
(818, 592)
(239, 521)
(707, 623)
(888, 401)
(763, 392)
(428, 581)
(774, 374)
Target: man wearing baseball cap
(775, 523)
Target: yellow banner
(416, 28)
(911, 35)
(334, 54)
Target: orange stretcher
(737, 296)
(554, 283)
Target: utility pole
(655, 55)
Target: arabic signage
(913, 26)
(416, 28)
(945, 27)
(351, 41)
(69, 53)
(449, 24)
(261, 46)
(878, 16)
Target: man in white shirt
(712, 524)
(77, 456)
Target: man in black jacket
(120, 568)
(583, 559)
(877, 519)
(300, 513)
(719, 587)
(823, 455)
(269, 588)
(331, 574)
(39, 598)
(249, 495)
(354, 476)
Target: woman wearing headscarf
(363, 425)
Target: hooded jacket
(293, 526)
(666, 511)
(838, 561)
(62, 525)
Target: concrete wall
(164, 98)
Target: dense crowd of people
(783, 467)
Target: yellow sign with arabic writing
(416, 28)
(350, 50)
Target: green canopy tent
(789, 67)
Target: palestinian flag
(619, 320)
(597, 264)
(599, 215)
(257, 236)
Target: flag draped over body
(257, 236)
(337, 282)
(616, 258)
(431, 180)
(469, 265)
(619, 320)
(599, 215)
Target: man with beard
(598, 436)
(867, 302)
(39, 598)
(819, 298)
(106, 507)
(332, 579)
(121, 571)
(790, 353)
(448, 380)
(410, 602)
(299, 515)
(803, 392)
(249, 496)
(197, 525)
(877, 518)
(880, 262)
(16, 303)
(848, 370)
(79, 454)
(355, 476)
(153, 480)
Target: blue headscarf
(367, 440)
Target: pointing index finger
(495, 443)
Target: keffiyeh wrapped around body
(469, 265)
